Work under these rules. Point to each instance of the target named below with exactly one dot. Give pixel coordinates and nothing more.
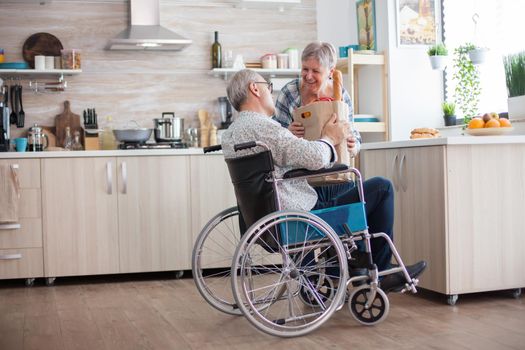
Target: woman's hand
(297, 129)
(351, 145)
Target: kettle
(36, 138)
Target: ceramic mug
(21, 144)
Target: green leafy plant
(515, 74)
(468, 89)
(449, 109)
(437, 50)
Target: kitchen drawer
(27, 235)
(28, 171)
(21, 263)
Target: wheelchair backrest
(255, 195)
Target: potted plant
(449, 113)
(468, 87)
(478, 55)
(438, 56)
(515, 77)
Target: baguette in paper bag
(313, 117)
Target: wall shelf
(50, 72)
(272, 73)
(350, 68)
(370, 126)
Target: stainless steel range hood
(145, 32)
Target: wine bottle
(216, 53)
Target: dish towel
(9, 193)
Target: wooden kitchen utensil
(40, 44)
(65, 119)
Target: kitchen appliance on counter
(225, 109)
(4, 118)
(152, 145)
(168, 128)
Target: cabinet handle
(10, 256)
(9, 226)
(402, 175)
(394, 173)
(124, 170)
(109, 178)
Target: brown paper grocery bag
(313, 117)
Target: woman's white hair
(237, 89)
(322, 51)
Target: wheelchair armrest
(337, 168)
(212, 148)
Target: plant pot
(438, 62)
(516, 107)
(450, 120)
(478, 56)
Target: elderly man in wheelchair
(296, 253)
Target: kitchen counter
(109, 153)
(440, 141)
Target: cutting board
(65, 119)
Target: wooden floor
(157, 312)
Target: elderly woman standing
(318, 65)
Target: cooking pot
(132, 134)
(168, 128)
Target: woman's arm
(354, 141)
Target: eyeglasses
(270, 85)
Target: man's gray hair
(324, 53)
(237, 89)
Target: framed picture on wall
(416, 22)
(366, 24)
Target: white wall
(415, 90)
(336, 22)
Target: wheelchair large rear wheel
(293, 278)
(212, 260)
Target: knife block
(92, 142)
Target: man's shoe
(396, 282)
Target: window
(499, 28)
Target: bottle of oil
(107, 138)
(216, 54)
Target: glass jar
(71, 59)
(282, 61)
(269, 61)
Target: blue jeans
(379, 199)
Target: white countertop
(110, 153)
(456, 140)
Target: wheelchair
(287, 271)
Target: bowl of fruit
(489, 124)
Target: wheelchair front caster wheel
(368, 312)
(178, 274)
(516, 293)
(30, 282)
(452, 299)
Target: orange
(493, 123)
(476, 123)
(504, 123)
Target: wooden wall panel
(141, 85)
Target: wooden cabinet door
(79, 216)
(211, 193)
(211, 189)
(422, 209)
(418, 175)
(154, 213)
(385, 163)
